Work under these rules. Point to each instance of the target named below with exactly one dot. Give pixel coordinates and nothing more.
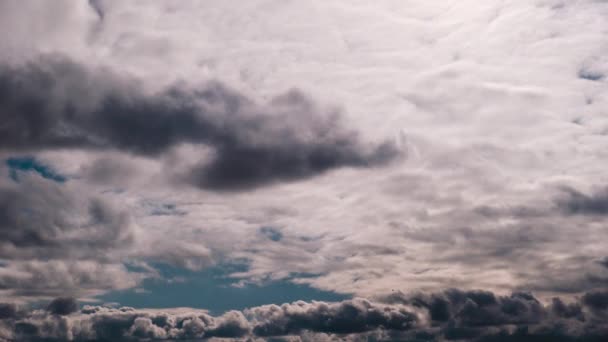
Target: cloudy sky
(304, 170)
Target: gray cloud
(449, 315)
(576, 202)
(55, 103)
(62, 306)
(56, 239)
(108, 170)
(484, 316)
(94, 323)
(8, 310)
(43, 219)
(97, 7)
(43, 279)
(477, 308)
(352, 316)
(596, 300)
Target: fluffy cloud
(353, 316)
(450, 315)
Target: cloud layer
(144, 137)
(452, 315)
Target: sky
(330, 170)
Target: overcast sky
(314, 170)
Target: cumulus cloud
(477, 308)
(55, 103)
(354, 316)
(449, 315)
(484, 316)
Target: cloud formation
(42, 219)
(353, 316)
(53, 103)
(501, 104)
(56, 239)
(452, 315)
(576, 202)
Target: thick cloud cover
(452, 315)
(501, 106)
(54, 103)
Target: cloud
(32, 280)
(53, 103)
(448, 315)
(62, 306)
(97, 7)
(60, 239)
(95, 323)
(478, 308)
(596, 300)
(352, 316)
(576, 202)
(476, 315)
(108, 171)
(102, 323)
(271, 233)
(43, 219)
(489, 135)
(8, 310)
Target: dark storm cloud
(454, 315)
(56, 103)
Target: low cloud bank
(452, 315)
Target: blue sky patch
(212, 289)
(30, 164)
